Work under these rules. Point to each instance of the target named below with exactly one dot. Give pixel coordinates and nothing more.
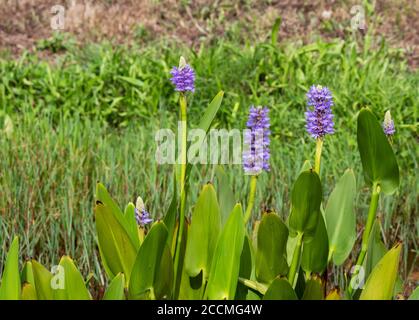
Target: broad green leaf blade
(280, 289)
(380, 283)
(28, 292)
(245, 268)
(27, 273)
(115, 291)
(163, 285)
(129, 214)
(117, 250)
(341, 219)
(170, 217)
(376, 248)
(377, 156)
(415, 294)
(225, 266)
(10, 283)
(306, 198)
(314, 257)
(103, 196)
(226, 196)
(313, 289)
(149, 267)
(271, 248)
(74, 287)
(42, 278)
(203, 233)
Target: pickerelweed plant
(212, 252)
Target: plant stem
(319, 146)
(251, 201)
(183, 118)
(295, 263)
(366, 235)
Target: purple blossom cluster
(142, 217)
(319, 115)
(256, 139)
(183, 78)
(388, 125)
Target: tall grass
(91, 114)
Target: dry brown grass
(24, 22)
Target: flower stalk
(317, 160)
(251, 201)
(367, 232)
(183, 160)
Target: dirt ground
(24, 22)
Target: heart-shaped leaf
(306, 198)
(42, 279)
(69, 283)
(203, 233)
(116, 288)
(271, 252)
(314, 257)
(225, 265)
(340, 218)
(153, 268)
(380, 283)
(280, 289)
(377, 156)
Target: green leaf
(377, 156)
(271, 252)
(74, 287)
(280, 289)
(314, 257)
(306, 198)
(42, 278)
(313, 289)
(245, 268)
(191, 288)
(103, 196)
(10, 283)
(415, 294)
(203, 233)
(27, 273)
(129, 214)
(225, 266)
(116, 248)
(28, 292)
(376, 248)
(115, 291)
(341, 219)
(225, 194)
(153, 264)
(380, 283)
(170, 216)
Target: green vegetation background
(91, 114)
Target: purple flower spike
(141, 215)
(183, 77)
(256, 140)
(388, 124)
(319, 115)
